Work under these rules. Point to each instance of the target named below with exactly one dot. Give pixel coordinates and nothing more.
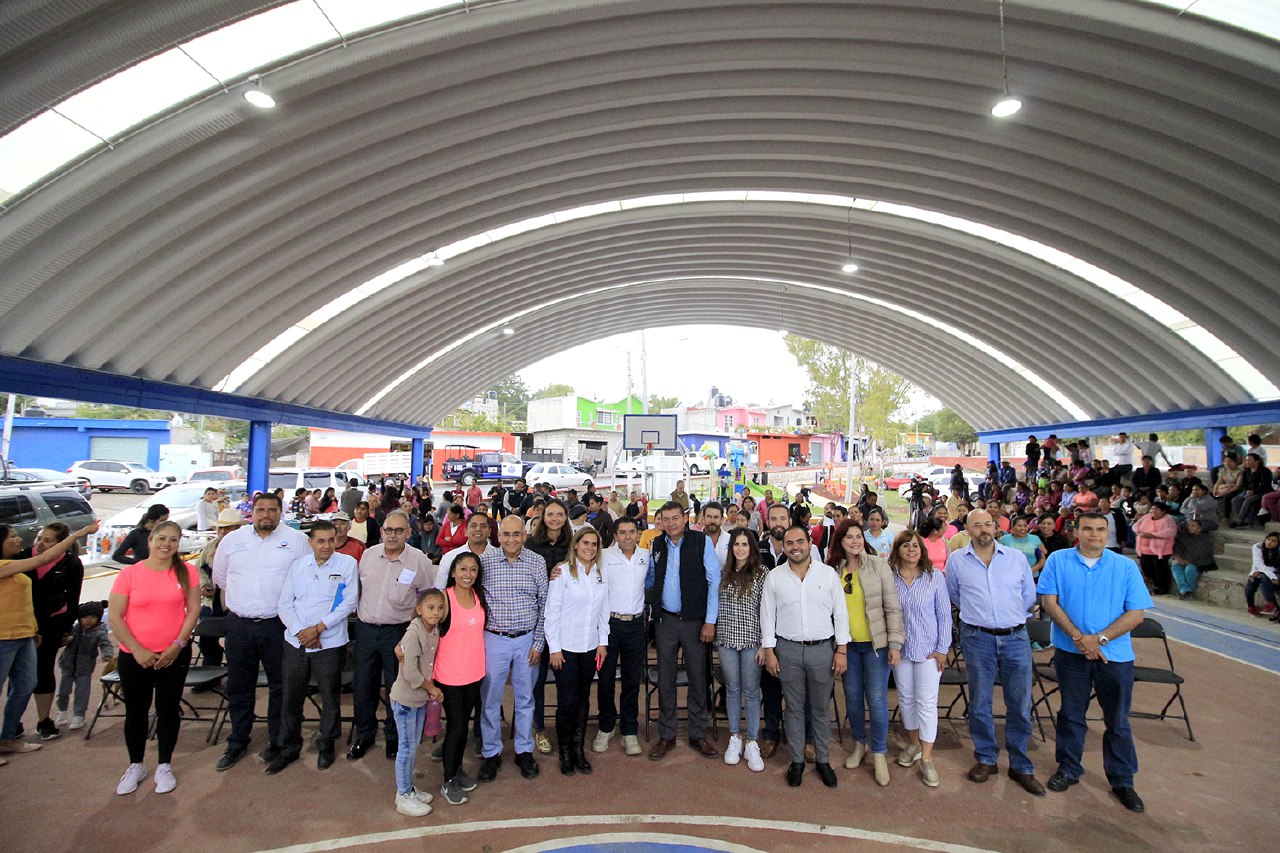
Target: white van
(292, 479)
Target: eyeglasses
(848, 584)
(397, 530)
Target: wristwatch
(1102, 639)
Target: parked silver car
(28, 508)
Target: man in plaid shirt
(515, 591)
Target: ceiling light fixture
(850, 266)
(256, 95)
(508, 331)
(434, 261)
(1007, 105)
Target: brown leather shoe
(702, 747)
(768, 748)
(660, 749)
(981, 772)
(1028, 781)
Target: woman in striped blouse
(926, 616)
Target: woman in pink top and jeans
(1153, 539)
(459, 669)
(153, 607)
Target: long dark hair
(741, 578)
(836, 555)
(177, 565)
(5, 530)
(476, 588)
(540, 536)
(62, 531)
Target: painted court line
(566, 821)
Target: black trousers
(253, 644)
(626, 647)
(140, 686)
(1156, 572)
(460, 702)
(375, 670)
(573, 695)
(211, 647)
(299, 668)
(47, 655)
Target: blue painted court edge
(1257, 643)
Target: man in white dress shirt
(477, 543)
(249, 567)
(804, 626)
(319, 593)
(713, 526)
(624, 567)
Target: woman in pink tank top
(460, 668)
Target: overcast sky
(763, 372)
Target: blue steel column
(415, 473)
(1212, 449)
(993, 452)
(259, 455)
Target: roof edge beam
(1240, 414)
(46, 379)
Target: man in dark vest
(683, 588)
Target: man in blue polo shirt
(1095, 597)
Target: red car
(893, 481)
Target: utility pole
(8, 431)
(644, 377)
(854, 444)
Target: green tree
(881, 393)
(513, 399)
(465, 419)
(555, 389)
(119, 413)
(946, 425)
(657, 404)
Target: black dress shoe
(795, 773)
(357, 751)
(1129, 799)
(229, 759)
(528, 766)
(325, 761)
(270, 754)
(280, 762)
(489, 768)
(825, 773)
(393, 746)
(1060, 782)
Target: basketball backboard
(649, 432)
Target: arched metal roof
(1146, 151)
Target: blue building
(58, 442)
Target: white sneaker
(929, 773)
(859, 752)
(631, 745)
(422, 796)
(410, 806)
(734, 752)
(77, 723)
(601, 743)
(910, 755)
(131, 779)
(165, 781)
(61, 719)
(755, 762)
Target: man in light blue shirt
(320, 592)
(684, 589)
(991, 583)
(1095, 597)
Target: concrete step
(1225, 586)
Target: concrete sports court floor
(1215, 793)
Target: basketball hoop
(648, 448)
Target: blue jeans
(18, 668)
(866, 684)
(741, 687)
(1078, 677)
(1185, 575)
(507, 657)
(987, 656)
(409, 731)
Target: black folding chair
(1039, 632)
(110, 682)
(1150, 629)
